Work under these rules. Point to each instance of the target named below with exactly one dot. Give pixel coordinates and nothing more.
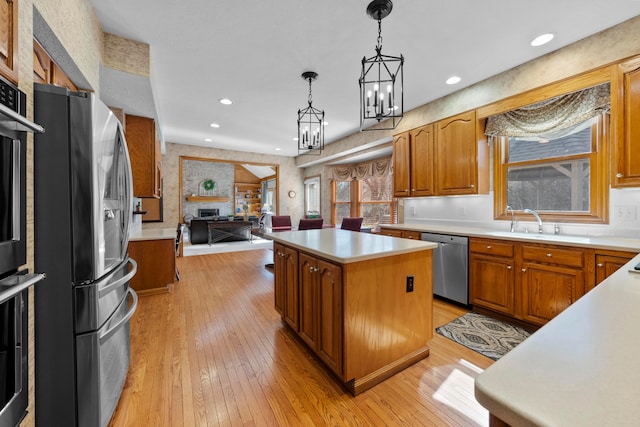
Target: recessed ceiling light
(214, 125)
(225, 101)
(277, 149)
(542, 39)
(453, 80)
(208, 140)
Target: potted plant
(230, 217)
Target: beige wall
(76, 26)
(289, 178)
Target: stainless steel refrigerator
(83, 208)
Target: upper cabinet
(46, 71)
(144, 150)
(462, 165)
(626, 162)
(412, 151)
(449, 157)
(9, 39)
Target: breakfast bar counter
(580, 369)
(361, 302)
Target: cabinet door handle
(310, 269)
(549, 255)
(619, 175)
(508, 267)
(524, 269)
(406, 189)
(488, 246)
(600, 264)
(316, 269)
(471, 186)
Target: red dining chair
(310, 224)
(353, 224)
(280, 223)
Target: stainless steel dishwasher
(450, 266)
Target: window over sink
(552, 157)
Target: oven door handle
(107, 334)
(17, 283)
(121, 280)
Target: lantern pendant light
(381, 85)
(310, 124)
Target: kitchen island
(580, 369)
(361, 302)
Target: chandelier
(381, 95)
(310, 124)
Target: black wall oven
(14, 283)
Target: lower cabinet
(321, 309)
(609, 262)
(156, 260)
(547, 290)
(492, 283)
(285, 260)
(406, 234)
(529, 282)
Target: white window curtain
(360, 171)
(552, 118)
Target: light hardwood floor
(215, 352)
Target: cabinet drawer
(553, 255)
(491, 247)
(414, 235)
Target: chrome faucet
(513, 224)
(534, 213)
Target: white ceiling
(254, 51)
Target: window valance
(551, 116)
(360, 171)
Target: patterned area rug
(490, 337)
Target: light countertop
(345, 246)
(154, 234)
(601, 242)
(580, 369)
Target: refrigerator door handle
(121, 280)
(109, 332)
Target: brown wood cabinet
(154, 208)
(144, 150)
(46, 71)
(9, 39)
(527, 281)
(492, 275)
(460, 148)
(321, 309)
(156, 260)
(286, 291)
(548, 289)
(413, 162)
(608, 262)
(347, 309)
(626, 161)
(449, 157)
(405, 234)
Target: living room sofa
(199, 229)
